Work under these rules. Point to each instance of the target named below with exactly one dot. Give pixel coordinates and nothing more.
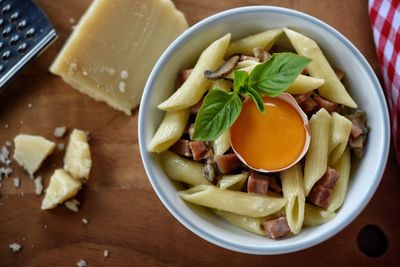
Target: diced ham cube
(300, 98)
(227, 163)
(195, 109)
(326, 104)
(320, 196)
(309, 105)
(181, 147)
(198, 148)
(328, 180)
(257, 183)
(274, 185)
(276, 228)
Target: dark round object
(372, 241)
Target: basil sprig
(220, 109)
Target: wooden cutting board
(125, 216)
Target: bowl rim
(215, 239)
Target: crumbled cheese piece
(15, 247)
(38, 185)
(59, 131)
(85, 221)
(6, 125)
(81, 263)
(60, 146)
(77, 160)
(106, 253)
(30, 105)
(17, 182)
(72, 205)
(124, 75)
(121, 86)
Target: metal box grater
(25, 31)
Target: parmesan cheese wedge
(77, 160)
(61, 187)
(30, 151)
(114, 47)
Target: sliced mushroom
(223, 70)
(210, 171)
(261, 54)
(244, 57)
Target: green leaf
(240, 81)
(219, 111)
(257, 98)
(276, 74)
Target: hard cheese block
(114, 47)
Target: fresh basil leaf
(219, 111)
(257, 98)
(240, 81)
(276, 74)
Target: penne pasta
(317, 156)
(264, 40)
(304, 84)
(339, 137)
(292, 188)
(247, 223)
(170, 130)
(233, 182)
(339, 191)
(182, 169)
(319, 67)
(222, 84)
(246, 63)
(314, 215)
(242, 203)
(196, 85)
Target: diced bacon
(356, 131)
(320, 196)
(195, 109)
(300, 98)
(198, 148)
(308, 105)
(227, 163)
(257, 183)
(209, 154)
(182, 76)
(276, 228)
(328, 180)
(181, 147)
(326, 104)
(274, 185)
(244, 57)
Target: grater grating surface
(25, 31)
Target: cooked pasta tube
(319, 67)
(314, 215)
(170, 130)
(343, 166)
(292, 188)
(246, 63)
(304, 84)
(196, 85)
(242, 203)
(264, 40)
(247, 223)
(339, 137)
(233, 182)
(317, 155)
(182, 169)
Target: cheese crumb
(30, 105)
(121, 87)
(85, 221)
(72, 205)
(81, 263)
(6, 125)
(124, 75)
(38, 185)
(15, 247)
(60, 146)
(17, 182)
(105, 253)
(59, 131)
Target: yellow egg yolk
(271, 140)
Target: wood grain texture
(125, 216)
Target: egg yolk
(270, 140)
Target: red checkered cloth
(385, 21)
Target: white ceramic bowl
(361, 82)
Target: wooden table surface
(125, 216)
